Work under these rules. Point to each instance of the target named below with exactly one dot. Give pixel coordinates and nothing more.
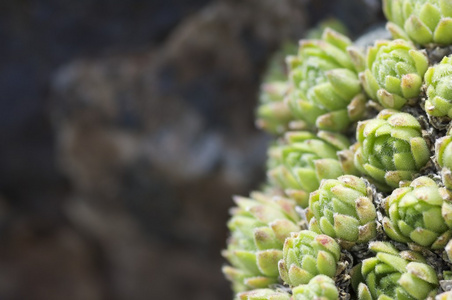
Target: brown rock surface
(40, 261)
(155, 143)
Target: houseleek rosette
(390, 148)
(273, 114)
(320, 287)
(391, 274)
(326, 90)
(394, 72)
(438, 80)
(258, 228)
(342, 208)
(307, 254)
(303, 160)
(420, 213)
(422, 21)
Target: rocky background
(125, 127)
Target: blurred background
(125, 127)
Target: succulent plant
(394, 72)
(307, 254)
(396, 275)
(423, 21)
(420, 213)
(273, 113)
(263, 294)
(443, 156)
(391, 148)
(317, 169)
(438, 80)
(326, 91)
(320, 287)
(342, 208)
(258, 229)
(299, 164)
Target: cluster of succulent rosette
(358, 201)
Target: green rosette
(326, 90)
(391, 274)
(394, 72)
(342, 208)
(307, 254)
(390, 148)
(303, 159)
(422, 21)
(258, 227)
(419, 213)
